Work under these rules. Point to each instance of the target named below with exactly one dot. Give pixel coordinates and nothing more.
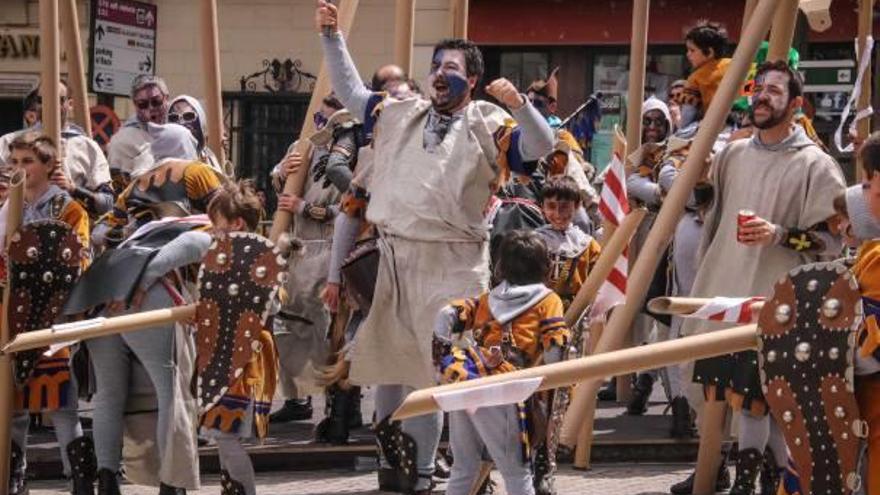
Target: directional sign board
(123, 34)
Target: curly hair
(473, 57)
(237, 200)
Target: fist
(505, 92)
(289, 203)
(326, 17)
(291, 164)
(60, 179)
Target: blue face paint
(458, 85)
(454, 83)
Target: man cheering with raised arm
(437, 161)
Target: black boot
(108, 482)
(333, 429)
(170, 490)
(17, 471)
(442, 469)
(83, 466)
(543, 472)
(682, 423)
(771, 474)
(642, 389)
(354, 416)
(229, 486)
(748, 465)
(293, 410)
(386, 440)
(389, 481)
(609, 391)
(686, 487)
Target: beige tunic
(792, 184)
(428, 208)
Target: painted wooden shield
(808, 334)
(238, 281)
(45, 261)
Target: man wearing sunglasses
(189, 112)
(85, 173)
(149, 94)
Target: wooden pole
(747, 15)
(404, 22)
(294, 184)
(866, 23)
(212, 78)
(590, 368)
(7, 388)
(76, 73)
(658, 238)
(604, 265)
(98, 327)
(686, 305)
(782, 33)
(50, 70)
(711, 425)
(459, 10)
(638, 50)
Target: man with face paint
(790, 184)
(149, 94)
(189, 112)
(84, 172)
(436, 163)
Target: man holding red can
(773, 210)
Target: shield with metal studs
(45, 261)
(807, 341)
(238, 280)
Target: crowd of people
(471, 224)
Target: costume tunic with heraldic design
(573, 254)
(471, 342)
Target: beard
(776, 117)
(449, 92)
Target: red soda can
(742, 217)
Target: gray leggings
(112, 358)
(424, 429)
(759, 432)
(234, 459)
(67, 429)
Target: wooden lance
(673, 206)
(211, 79)
(747, 14)
(687, 305)
(76, 74)
(638, 50)
(459, 9)
(404, 22)
(782, 33)
(98, 327)
(575, 371)
(294, 184)
(15, 200)
(50, 70)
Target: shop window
(611, 73)
(521, 68)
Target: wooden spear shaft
(459, 10)
(747, 14)
(76, 74)
(294, 184)
(50, 70)
(673, 206)
(638, 51)
(7, 388)
(866, 23)
(404, 21)
(212, 77)
(91, 329)
(594, 367)
(686, 305)
(784, 23)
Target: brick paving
(609, 479)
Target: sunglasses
(151, 103)
(182, 118)
(653, 122)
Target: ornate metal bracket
(280, 77)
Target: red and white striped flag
(613, 206)
(727, 309)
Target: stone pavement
(609, 479)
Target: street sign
(123, 44)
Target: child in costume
(705, 44)
(51, 387)
(572, 252)
(244, 408)
(516, 325)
